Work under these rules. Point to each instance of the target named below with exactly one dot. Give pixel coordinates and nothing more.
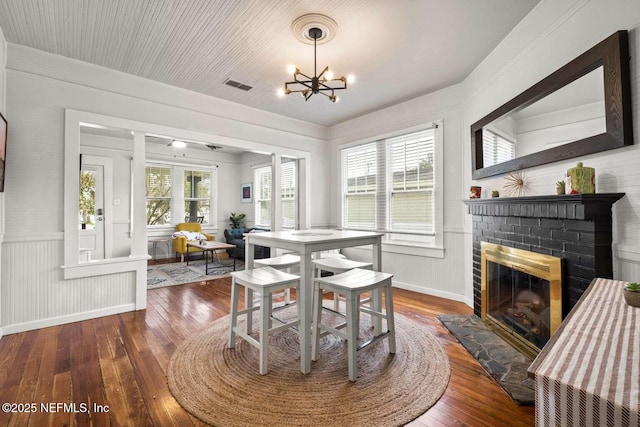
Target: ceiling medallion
(304, 23)
(315, 29)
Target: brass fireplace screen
(521, 295)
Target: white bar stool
(283, 262)
(353, 283)
(336, 266)
(264, 280)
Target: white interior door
(93, 216)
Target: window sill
(413, 249)
(104, 266)
(168, 230)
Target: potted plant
(236, 220)
(631, 294)
(560, 187)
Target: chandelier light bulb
(280, 92)
(291, 69)
(351, 78)
(329, 75)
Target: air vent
(239, 85)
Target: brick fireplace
(575, 228)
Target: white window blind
(411, 206)
(158, 189)
(288, 193)
(262, 192)
(360, 186)
(197, 196)
(288, 178)
(496, 148)
(389, 185)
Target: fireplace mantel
(576, 228)
(586, 207)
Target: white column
(139, 216)
(276, 192)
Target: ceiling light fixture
(177, 144)
(323, 83)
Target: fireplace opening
(521, 295)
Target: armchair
(180, 242)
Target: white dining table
(306, 242)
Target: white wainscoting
(34, 294)
(626, 263)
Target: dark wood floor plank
(32, 352)
(121, 361)
(121, 389)
(163, 408)
(60, 393)
(44, 387)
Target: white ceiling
(397, 49)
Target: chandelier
(323, 83)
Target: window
(288, 195)
(288, 179)
(411, 192)
(390, 185)
(496, 148)
(262, 192)
(360, 191)
(178, 194)
(197, 195)
(158, 183)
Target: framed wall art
(247, 193)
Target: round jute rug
(222, 386)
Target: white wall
(420, 272)
(39, 87)
(554, 33)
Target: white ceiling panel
(397, 49)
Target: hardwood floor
(119, 362)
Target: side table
(154, 245)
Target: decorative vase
(581, 180)
(475, 192)
(631, 298)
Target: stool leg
(287, 291)
(376, 305)
(317, 317)
(248, 302)
(265, 312)
(352, 334)
(234, 313)
(336, 301)
(391, 324)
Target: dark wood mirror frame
(613, 54)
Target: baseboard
(61, 320)
(429, 291)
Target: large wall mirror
(582, 108)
